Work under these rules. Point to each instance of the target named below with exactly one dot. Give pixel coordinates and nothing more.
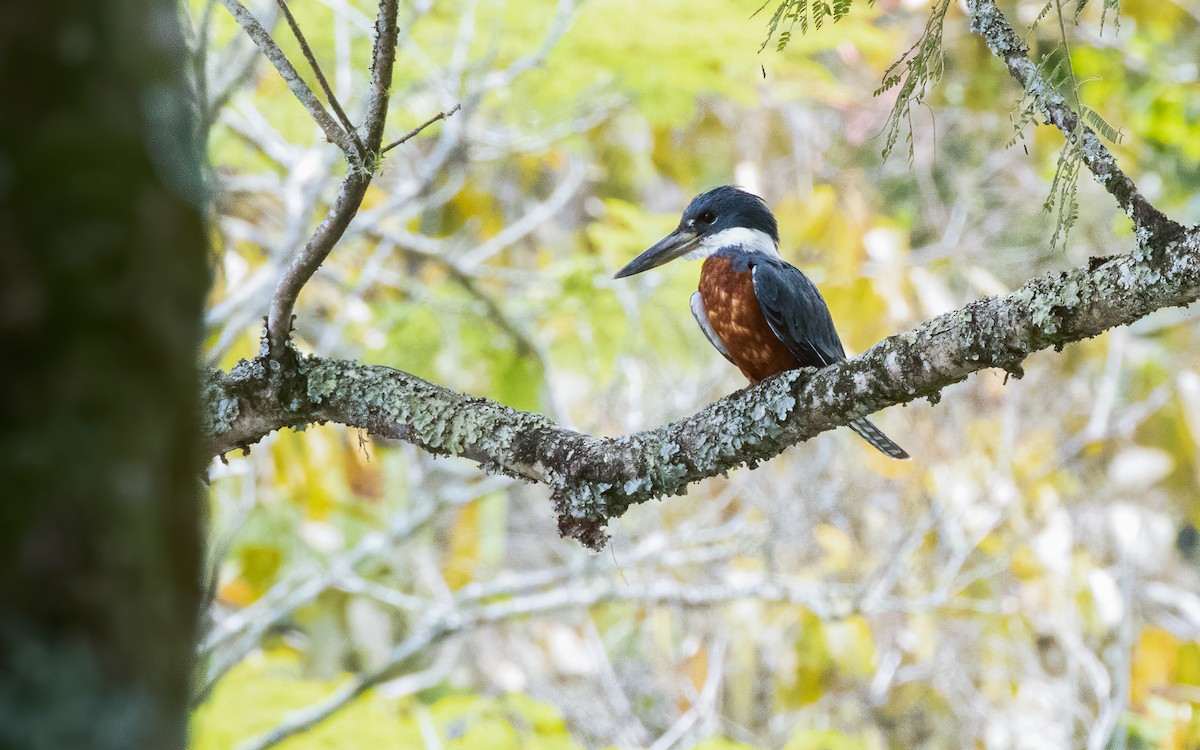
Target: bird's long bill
(669, 248)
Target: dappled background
(1028, 580)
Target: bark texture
(595, 479)
(102, 278)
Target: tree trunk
(102, 278)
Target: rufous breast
(736, 317)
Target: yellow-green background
(1031, 509)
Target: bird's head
(722, 217)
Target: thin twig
(227, 644)
(316, 69)
(415, 131)
(262, 39)
(451, 621)
(563, 15)
(350, 195)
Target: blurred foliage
(256, 695)
(1029, 578)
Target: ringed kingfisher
(759, 311)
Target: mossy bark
(102, 279)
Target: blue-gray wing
(797, 313)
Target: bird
(759, 311)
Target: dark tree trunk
(102, 278)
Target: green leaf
(1101, 126)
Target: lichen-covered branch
(594, 479)
(305, 263)
(1152, 226)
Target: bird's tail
(873, 435)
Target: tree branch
(229, 640)
(350, 195)
(596, 479)
(383, 59)
(1152, 226)
(452, 620)
(316, 69)
(416, 131)
(262, 39)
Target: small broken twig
(415, 131)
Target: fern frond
(1045, 11)
(1028, 110)
(773, 24)
(1063, 200)
(1115, 7)
(915, 72)
(1101, 126)
(801, 14)
(789, 13)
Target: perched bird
(759, 311)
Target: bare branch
(1150, 224)
(415, 131)
(451, 621)
(350, 195)
(262, 38)
(703, 703)
(316, 69)
(596, 479)
(563, 14)
(305, 263)
(235, 636)
(539, 214)
(383, 59)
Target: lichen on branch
(1082, 144)
(595, 479)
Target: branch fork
(362, 154)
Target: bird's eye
(708, 217)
